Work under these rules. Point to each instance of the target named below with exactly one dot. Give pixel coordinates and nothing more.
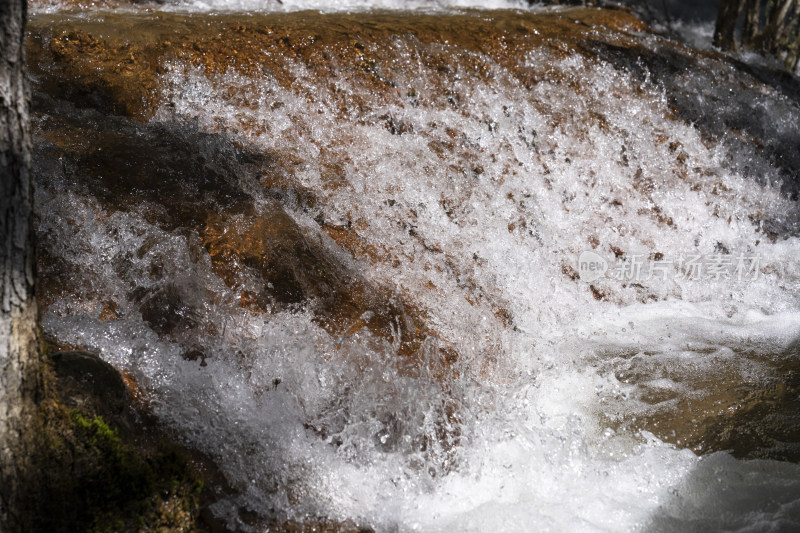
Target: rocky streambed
(337, 256)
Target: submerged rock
(200, 185)
(115, 67)
(728, 409)
(385, 286)
(114, 64)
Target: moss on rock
(100, 469)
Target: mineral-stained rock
(195, 182)
(98, 82)
(114, 64)
(113, 67)
(296, 270)
(273, 244)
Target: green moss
(96, 476)
(96, 428)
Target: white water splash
(482, 204)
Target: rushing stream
(444, 270)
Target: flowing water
(341, 255)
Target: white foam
(282, 6)
(580, 160)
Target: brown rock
(710, 411)
(114, 63)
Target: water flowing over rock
(339, 254)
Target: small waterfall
(432, 270)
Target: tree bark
(775, 27)
(725, 29)
(752, 24)
(20, 359)
(793, 57)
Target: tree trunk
(793, 57)
(20, 359)
(775, 27)
(727, 17)
(752, 24)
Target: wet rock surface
(84, 377)
(100, 465)
(728, 410)
(203, 185)
(194, 181)
(113, 64)
(256, 237)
